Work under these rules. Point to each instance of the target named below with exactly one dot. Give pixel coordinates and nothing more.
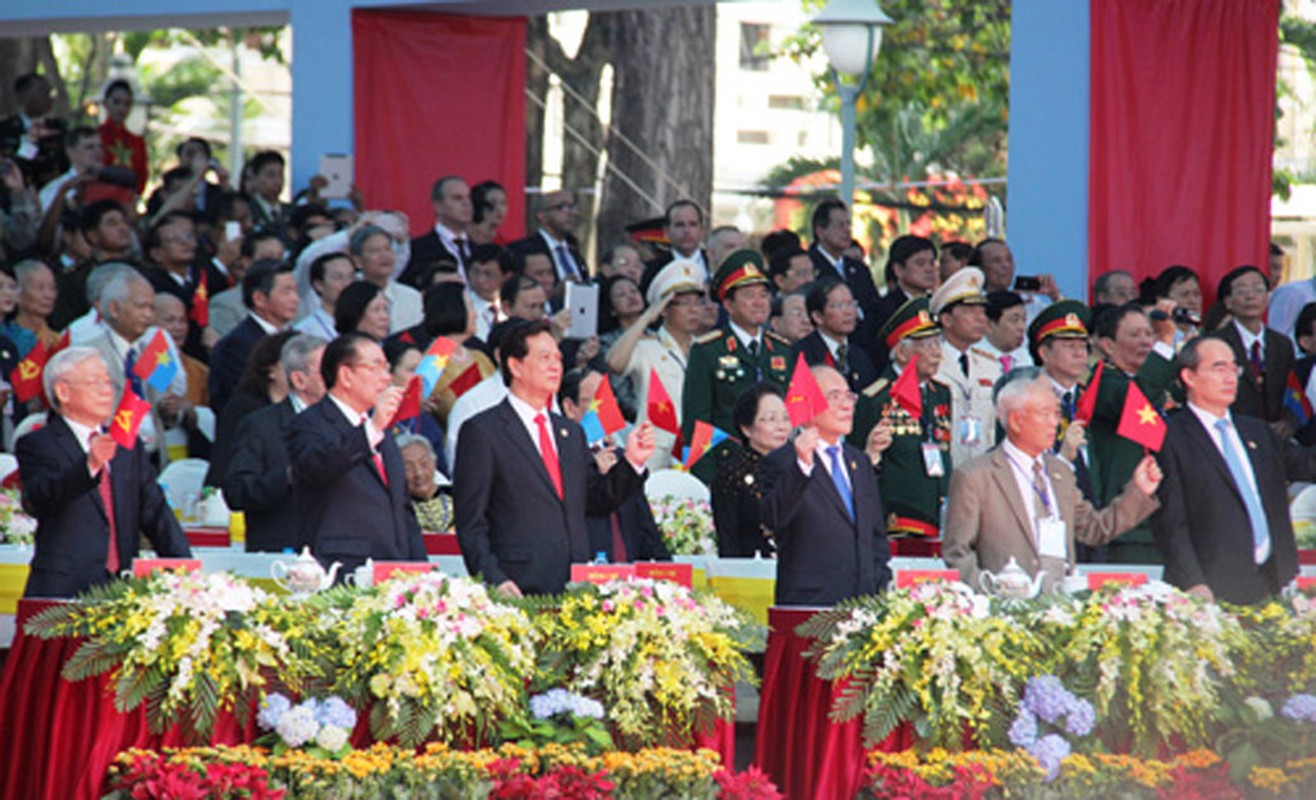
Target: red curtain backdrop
(1182, 105)
(438, 95)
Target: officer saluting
(728, 360)
(914, 472)
(960, 307)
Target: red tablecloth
(208, 537)
(911, 547)
(442, 544)
(1307, 556)
(59, 737)
(807, 755)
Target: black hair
(484, 253)
(116, 84)
(351, 306)
(1000, 302)
(445, 309)
(480, 199)
(228, 203)
(822, 214)
(25, 81)
(1106, 322)
(395, 349)
(496, 334)
(514, 285)
(76, 135)
(608, 320)
(779, 263)
(682, 203)
(178, 151)
(322, 261)
(960, 251)
(338, 352)
(249, 242)
(265, 354)
(436, 191)
(904, 248)
(92, 214)
(569, 389)
(515, 343)
(1172, 276)
(152, 240)
(1227, 283)
(747, 405)
(259, 161)
(302, 214)
(815, 302)
(1306, 317)
(779, 240)
(260, 277)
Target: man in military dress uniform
(914, 472)
(960, 307)
(1058, 341)
(728, 360)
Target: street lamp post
(852, 37)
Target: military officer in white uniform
(960, 307)
(676, 296)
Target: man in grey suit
(525, 480)
(1020, 501)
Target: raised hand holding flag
(804, 399)
(128, 418)
(905, 391)
(1087, 403)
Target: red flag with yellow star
(661, 412)
(1140, 421)
(128, 418)
(804, 399)
(605, 405)
(200, 313)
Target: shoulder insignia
(777, 337)
(983, 353)
(875, 388)
(711, 336)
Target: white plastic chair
(674, 483)
(1302, 508)
(183, 478)
(8, 465)
(30, 423)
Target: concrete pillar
(321, 83)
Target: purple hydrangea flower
(337, 713)
(272, 707)
(1081, 717)
(1024, 730)
(1049, 751)
(1300, 708)
(1047, 697)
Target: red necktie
(549, 454)
(107, 499)
(1258, 366)
(618, 543)
(379, 465)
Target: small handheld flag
(661, 412)
(1087, 404)
(26, 377)
(603, 417)
(128, 418)
(409, 408)
(200, 311)
(156, 365)
(804, 398)
(1141, 422)
(905, 390)
(434, 362)
(704, 439)
(1295, 400)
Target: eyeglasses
(1223, 369)
(376, 366)
(852, 305)
(838, 397)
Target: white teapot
(1011, 583)
(305, 576)
(363, 577)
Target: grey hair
(25, 268)
(118, 289)
(101, 276)
(405, 440)
(61, 364)
(1009, 392)
(365, 233)
(297, 351)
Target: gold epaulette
(983, 353)
(875, 388)
(711, 336)
(777, 337)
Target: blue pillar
(321, 84)
(1048, 191)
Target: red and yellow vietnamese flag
(1087, 404)
(26, 377)
(1140, 421)
(905, 390)
(128, 418)
(200, 312)
(661, 411)
(409, 408)
(804, 398)
(605, 405)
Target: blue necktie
(568, 264)
(1255, 513)
(838, 478)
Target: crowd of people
(962, 401)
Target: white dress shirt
(1021, 466)
(1235, 442)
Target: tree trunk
(537, 41)
(17, 57)
(662, 101)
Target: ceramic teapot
(304, 576)
(1011, 583)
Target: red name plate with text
(208, 537)
(1307, 556)
(442, 544)
(601, 573)
(908, 578)
(1098, 579)
(384, 570)
(142, 567)
(683, 574)
(1307, 582)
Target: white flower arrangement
(686, 525)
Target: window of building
(753, 137)
(754, 55)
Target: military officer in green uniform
(1135, 352)
(913, 474)
(728, 360)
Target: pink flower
(607, 606)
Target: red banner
(1182, 125)
(436, 95)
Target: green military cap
(741, 268)
(911, 321)
(964, 286)
(1066, 319)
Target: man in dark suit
(349, 482)
(453, 211)
(526, 480)
(831, 238)
(269, 291)
(258, 481)
(629, 533)
(834, 314)
(31, 136)
(1266, 356)
(1224, 521)
(92, 499)
(558, 217)
(820, 500)
(684, 226)
(911, 271)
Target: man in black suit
(269, 291)
(834, 314)
(911, 271)
(684, 226)
(349, 482)
(820, 501)
(1224, 521)
(558, 217)
(831, 238)
(630, 533)
(74, 473)
(1266, 356)
(32, 137)
(526, 480)
(258, 481)
(453, 211)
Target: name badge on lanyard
(932, 463)
(970, 430)
(1052, 538)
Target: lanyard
(1042, 494)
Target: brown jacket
(986, 522)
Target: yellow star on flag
(121, 154)
(162, 357)
(1148, 416)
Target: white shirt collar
(1249, 337)
(82, 433)
(353, 416)
(1208, 419)
(1020, 457)
(524, 410)
(832, 344)
(743, 335)
(264, 324)
(446, 234)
